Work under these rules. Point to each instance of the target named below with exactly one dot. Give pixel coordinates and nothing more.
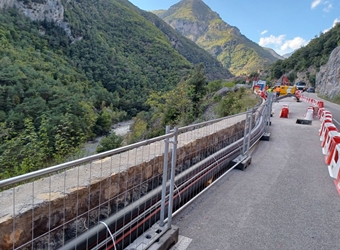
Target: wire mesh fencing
(107, 200)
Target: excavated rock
(328, 78)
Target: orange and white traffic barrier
(327, 142)
(324, 113)
(320, 112)
(298, 94)
(284, 111)
(334, 140)
(310, 114)
(320, 104)
(334, 166)
(327, 120)
(326, 116)
(326, 128)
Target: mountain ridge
(195, 20)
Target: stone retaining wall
(56, 197)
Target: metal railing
(109, 199)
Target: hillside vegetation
(315, 54)
(195, 20)
(57, 93)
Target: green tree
(109, 142)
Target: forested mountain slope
(195, 20)
(70, 68)
(308, 58)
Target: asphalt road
(284, 200)
(332, 107)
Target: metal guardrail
(102, 211)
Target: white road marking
(336, 121)
(182, 244)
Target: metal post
(245, 134)
(172, 177)
(268, 112)
(249, 130)
(165, 176)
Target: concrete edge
(167, 240)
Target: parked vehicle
(301, 86)
(311, 90)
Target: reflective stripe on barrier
(327, 115)
(325, 112)
(327, 120)
(327, 127)
(320, 112)
(330, 148)
(334, 166)
(325, 143)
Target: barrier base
(303, 121)
(168, 239)
(245, 162)
(265, 137)
(330, 171)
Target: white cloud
(328, 5)
(315, 3)
(281, 45)
(264, 32)
(293, 44)
(336, 20)
(328, 8)
(276, 40)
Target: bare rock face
(49, 10)
(328, 78)
(7, 3)
(303, 76)
(193, 30)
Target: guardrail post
(172, 176)
(266, 117)
(249, 131)
(268, 112)
(246, 122)
(165, 176)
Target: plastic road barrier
(284, 112)
(328, 150)
(334, 166)
(327, 120)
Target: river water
(121, 128)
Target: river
(121, 128)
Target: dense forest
(57, 91)
(315, 54)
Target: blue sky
(283, 25)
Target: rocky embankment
(328, 78)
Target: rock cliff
(328, 78)
(49, 10)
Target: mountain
(305, 62)
(271, 51)
(68, 69)
(195, 20)
(288, 54)
(187, 48)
